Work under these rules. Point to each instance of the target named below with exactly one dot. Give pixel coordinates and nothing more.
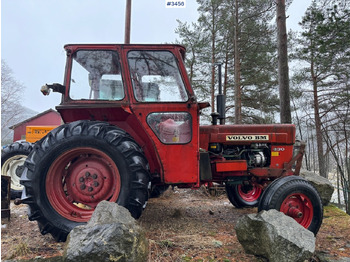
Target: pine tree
(324, 48)
(283, 69)
(250, 77)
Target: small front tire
(242, 195)
(296, 198)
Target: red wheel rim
(299, 207)
(249, 193)
(79, 179)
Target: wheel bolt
(96, 184)
(94, 176)
(81, 179)
(87, 174)
(82, 187)
(90, 189)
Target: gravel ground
(181, 225)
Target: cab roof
(75, 47)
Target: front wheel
(78, 165)
(244, 195)
(296, 198)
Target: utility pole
(127, 22)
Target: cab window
(96, 75)
(171, 127)
(155, 77)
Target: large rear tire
(78, 165)
(13, 157)
(296, 198)
(242, 195)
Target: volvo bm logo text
(246, 137)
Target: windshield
(96, 75)
(156, 77)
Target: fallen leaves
(182, 225)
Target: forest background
(242, 36)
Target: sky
(33, 33)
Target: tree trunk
(238, 97)
(213, 54)
(301, 134)
(283, 71)
(338, 187)
(348, 199)
(192, 64)
(212, 89)
(226, 73)
(318, 126)
(347, 168)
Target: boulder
(322, 185)
(112, 234)
(275, 236)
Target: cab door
(167, 111)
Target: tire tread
(271, 197)
(113, 136)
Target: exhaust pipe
(220, 99)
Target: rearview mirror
(45, 89)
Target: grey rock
(322, 185)
(112, 234)
(275, 236)
(328, 258)
(344, 259)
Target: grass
(166, 243)
(335, 217)
(333, 211)
(333, 237)
(20, 250)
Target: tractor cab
(143, 89)
(98, 75)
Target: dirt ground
(181, 225)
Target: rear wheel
(243, 195)
(296, 198)
(13, 157)
(77, 166)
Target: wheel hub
(294, 212)
(13, 167)
(299, 207)
(89, 181)
(249, 192)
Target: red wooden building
(47, 118)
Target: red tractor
(132, 126)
